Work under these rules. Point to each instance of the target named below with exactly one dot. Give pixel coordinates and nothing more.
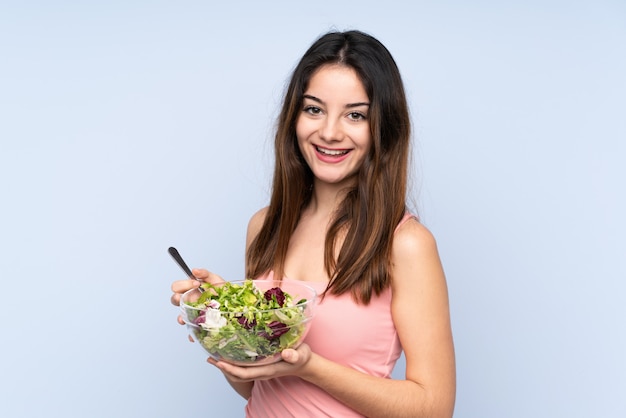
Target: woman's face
(333, 128)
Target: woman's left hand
(293, 363)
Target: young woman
(338, 220)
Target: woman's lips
(329, 155)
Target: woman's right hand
(181, 286)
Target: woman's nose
(330, 130)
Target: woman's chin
(336, 180)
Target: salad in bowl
(249, 322)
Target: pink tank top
(362, 337)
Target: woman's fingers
(206, 276)
(294, 360)
(201, 274)
(175, 299)
(181, 286)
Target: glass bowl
(249, 322)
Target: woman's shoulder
(415, 259)
(255, 223)
(413, 238)
(258, 217)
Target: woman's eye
(313, 110)
(356, 116)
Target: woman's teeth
(331, 152)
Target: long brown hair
(370, 212)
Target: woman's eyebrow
(315, 99)
(357, 104)
(320, 101)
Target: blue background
(130, 126)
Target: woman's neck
(326, 198)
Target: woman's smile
(331, 156)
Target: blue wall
(127, 127)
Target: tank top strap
(407, 215)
